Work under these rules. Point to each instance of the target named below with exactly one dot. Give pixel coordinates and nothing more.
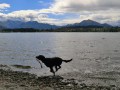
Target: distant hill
(9, 24)
(31, 24)
(89, 23)
(106, 25)
(36, 25)
(1, 26)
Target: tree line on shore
(66, 29)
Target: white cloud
(75, 6)
(30, 15)
(4, 6)
(104, 11)
(27, 15)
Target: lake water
(92, 53)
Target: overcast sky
(61, 12)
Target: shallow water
(92, 53)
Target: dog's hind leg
(51, 70)
(59, 67)
(56, 68)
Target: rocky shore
(14, 80)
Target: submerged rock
(22, 66)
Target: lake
(95, 55)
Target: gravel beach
(16, 80)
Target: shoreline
(16, 80)
(12, 80)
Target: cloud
(27, 15)
(72, 6)
(104, 11)
(4, 6)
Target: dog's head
(40, 57)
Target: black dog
(52, 62)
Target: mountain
(35, 25)
(106, 25)
(89, 23)
(30, 24)
(1, 26)
(12, 24)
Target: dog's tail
(67, 60)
